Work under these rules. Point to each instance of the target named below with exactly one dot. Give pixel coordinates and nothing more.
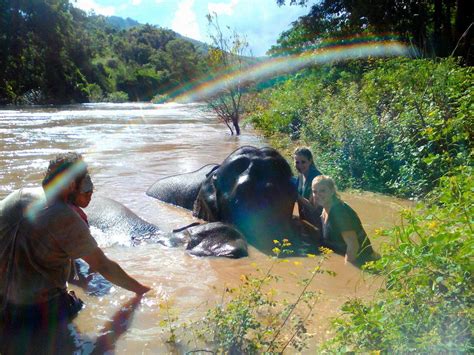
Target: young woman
(342, 229)
(304, 164)
(307, 170)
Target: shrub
(426, 305)
(117, 97)
(251, 318)
(95, 93)
(253, 321)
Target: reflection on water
(128, 147)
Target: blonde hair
(327, 181)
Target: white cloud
(222, 8)
(136, 2)
(89, 5)
(159, 1)
(185, 20)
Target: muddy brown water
(128, 147)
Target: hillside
(60, 55)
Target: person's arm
(112, 271)
(350, 238)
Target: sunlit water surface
(128, 147)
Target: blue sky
(261, 21)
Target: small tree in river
(227, 59)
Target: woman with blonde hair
(342, 229)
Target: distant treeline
(52, 52)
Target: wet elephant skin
(214, 239)
(252, 190)
(111, 216)
(203, 240)
(181, 190)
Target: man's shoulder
(20, 201)
(61, 213)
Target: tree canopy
(52, 52)
(437, 28)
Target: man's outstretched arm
(112, 271)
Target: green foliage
(392, 126)
(436, 28)
(52, 52)
(426, 305)
(286, 107)
(117, 97)
(95, 93)
(253, 318)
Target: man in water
(39, 236)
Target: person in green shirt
(342, 229)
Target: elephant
(111, 217)
(213, 239)
(252, 191)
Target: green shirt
(343, 218)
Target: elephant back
(112, 217)
(181, 190)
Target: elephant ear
(181, 190)
(205, 205)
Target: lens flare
(327, 52)
(54, 187)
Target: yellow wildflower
(325, 251)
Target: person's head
(324, 190)
(64, 173)
(83, 194)
(303, 160)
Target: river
(128, 147)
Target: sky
(261, 21)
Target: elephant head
(251, 189)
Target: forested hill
(52, 52)
(121, 23)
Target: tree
(226, 58)
(182, 60)
(437, 28)
(40, 53)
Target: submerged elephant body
(251, 190)
(249, 198)
(111, 217)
